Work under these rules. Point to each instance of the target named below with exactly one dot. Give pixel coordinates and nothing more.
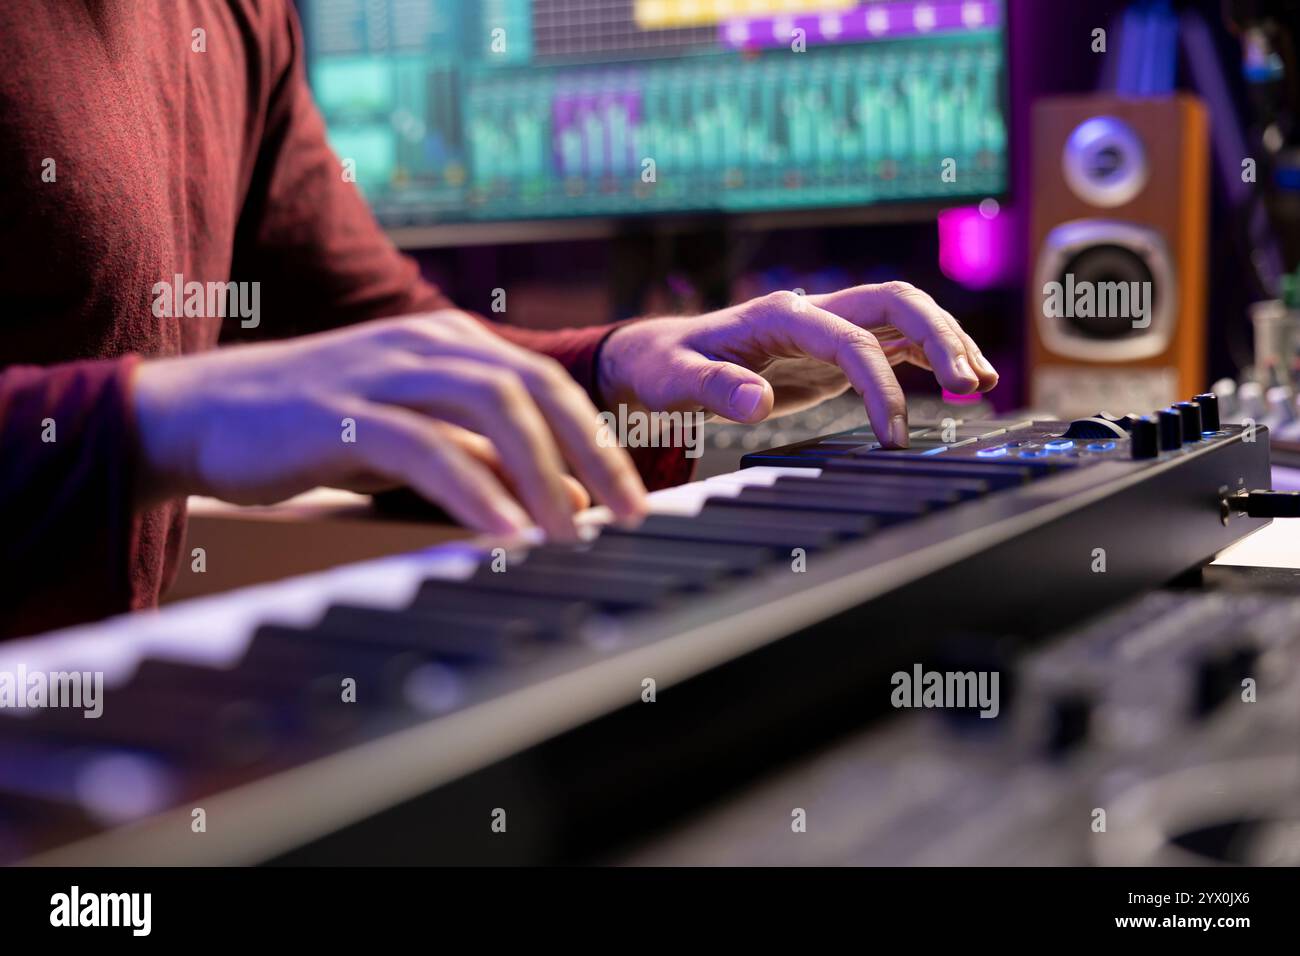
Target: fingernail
(985, 364)
(898, 436)
(745, 399)
(964, 370)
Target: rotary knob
(1143, 439)
(1191, 413)
(1209, 403)
(1171, 429)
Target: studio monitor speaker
(1117, 243)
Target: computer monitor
(479, 111)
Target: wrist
(160, 473)
(611, 367)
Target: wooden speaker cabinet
(1117, 253)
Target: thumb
(728, 390)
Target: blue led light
(1101, 446)
(1061, 444)
(1033, 453)
(935, 451)
(997, 452)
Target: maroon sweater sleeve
(66, 486)
(308, 237)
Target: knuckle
(780, 302)
(949, 340)
(899, 288)
(499, 388)
(893, 396)
(405, 332)
(549, 373)
(856, 337)
(709, 376)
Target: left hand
(784, 352)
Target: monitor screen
(455, 111)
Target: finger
(921, 320)
(401, 445)
(988, 374)
(493, 402)
(481, 448)
(725, 389)
(603, 466)
(825, 336)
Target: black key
(445, 635)
(740, 559)
(389, 677)
(820, 451)
(773, 460)
(1000, 476)
(311, 656)
(70, 777)
(683, 528)
(297, 705)
(888, 501)
(699, 573)
(611, 591)
(834, 481)
(178, 726)
(557, 617)
(842, 524)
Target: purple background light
(976, 250)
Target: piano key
(307, 706)
(555, 616)
(964, 488)
(998, 475)
(446, 635)
(611, 591)
(739, 558)
(388, 679)
(885, 508)
(887, 498)
(111, 785)
(821, 452)
(680, 528)
(701, 573)
(28, 821)
(176, 726)
(843, 524)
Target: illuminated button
(1033, 453)
(997, 452)
(1061, 444)
(1101, 446)
(936, 451)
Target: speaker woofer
(1109, 256)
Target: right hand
(258, 423)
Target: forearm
(66, 492)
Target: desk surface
(1275, 546)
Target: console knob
(1209, 403)
(1171, 429)
(1191, 413)
(1143, 442)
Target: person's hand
(784, 352)
(437, 402)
